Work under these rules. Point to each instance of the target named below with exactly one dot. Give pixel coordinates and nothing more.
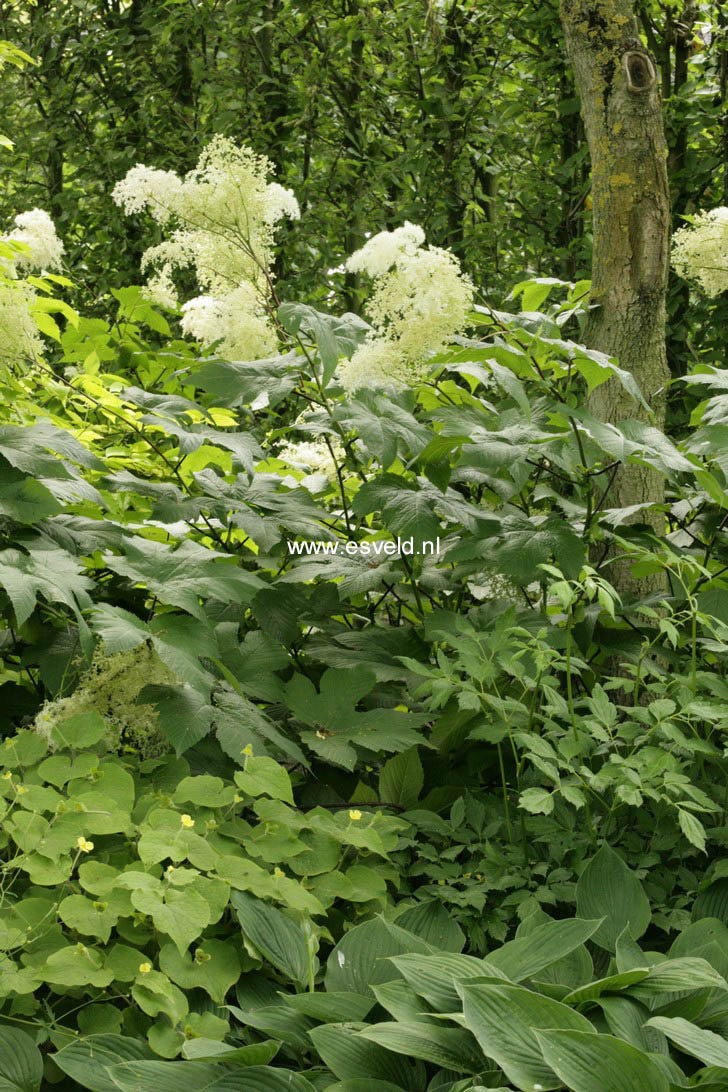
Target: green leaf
(587, 1062)
(210, 1050)
(21, 1063)
(213, 967)
(675, 975)
(265, 776)
(451, 1048)
(437, 977)
(348, 1055)
(613, 983)
(360, 959)
(432, 922)
(692, 828)
(402, 778)
(505, 1019)
(86, 1061)
(334, 336)
(537, 801)
(330, 1008)
(185, 716)
(406, 510)
(525, 956)
(275, 936)
(79, 731)
(608, 889)
(181, 577)
(706, 1046)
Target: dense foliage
(352, 739)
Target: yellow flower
(20, 789)
(145, 968)
(7, 775)
(278, 872)
(187, 821)
(354, 814)
(84, 845)
(248, 749)
(237, 799)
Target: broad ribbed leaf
(504, 1020)
(608, 889)
(451, 1048)
(709, 1048)
(347, 1054)
(527, 955)
(21, 1064)
(434, 977)
(600, 1063)
(87, 1061)
(276, 936)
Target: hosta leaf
(525, 956)
(608, 889)
(360, 959)
(21, 1063)
(86, 1061)
(587, 1062)
(505, 1020)
(347, 1054)
(451, 1048)
(435, 977)
(276, 936)
(706, 1046)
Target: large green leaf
(275, 936)
(451, 1048)
(505, 1019)
(347, 1054)
(600, 1063)
(525, 956)
(434, 977)
(709, 1048)
(21, 1063)
(360, 959)
(86, 1062)
(183, 576)
(608, 889)
(432, 922)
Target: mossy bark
(617, 82)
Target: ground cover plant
(363, 687)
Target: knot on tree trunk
(641, 74)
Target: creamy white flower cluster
(31, 245)
(42, 249)
(223, 215)
(19, 337)
(700, 251)
(421, 299)
(111, 687)
(314, 456)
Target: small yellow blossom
(145, 968)
(8, 775)
(20, 789)
(84, 845)
(354, 814)
(187, 821)
(248, 749)
(237, 799)
(278, 872)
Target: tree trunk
(616, 79)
